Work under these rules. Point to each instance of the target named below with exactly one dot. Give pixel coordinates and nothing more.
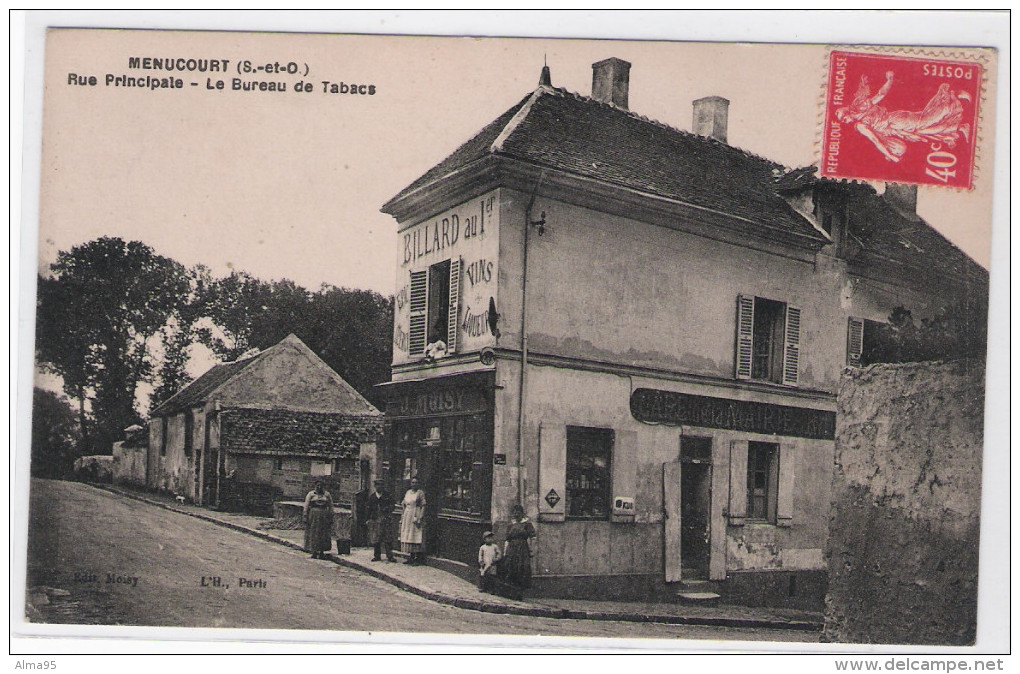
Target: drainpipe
(524, 340)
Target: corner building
(637, 333)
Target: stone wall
(903, 525)
(129, 463)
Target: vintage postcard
(344, 336)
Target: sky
(289, 185)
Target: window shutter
(419, 312)
(791, 352)
(854, 342)
(451, 324)
(787, 470)
(738, 482)
(745, 330)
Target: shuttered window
(768, 341)
(791, 350)
(454, 307)
(434, 307)
(762, 481)
(419, 312)
(745, 330)
(854, 341)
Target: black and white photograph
(534, 342)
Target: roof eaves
(390, 206)
(171, 403)
(672, 200)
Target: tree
(97, 318)
(351, 330)
(55, 435)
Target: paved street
(128, 563)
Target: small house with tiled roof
(261, 429)
(637, 332)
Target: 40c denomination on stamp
(901, 119)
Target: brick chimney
(610, 81)
(710, 117)
(903, 198)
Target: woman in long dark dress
(318, 512)
(517, 553)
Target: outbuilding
(261, 429)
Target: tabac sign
(682, 409)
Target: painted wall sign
(668, 407)
(468, 233)
(437, 402)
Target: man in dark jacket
(377, 516)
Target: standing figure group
(509, 570)
(506, 571)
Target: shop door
(695, 502)
(429, 477)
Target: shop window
(869, 342)
(321, 468)
(463, 463)
(452, 457)
(768, 341)
(589, 473)
(434, 305)
(762, 481)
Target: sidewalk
(446, 588)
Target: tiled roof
(345, 398)
(197, 392)
(287, 433)
(582, 136)
(883, 231)
(880, 230)
(476, 148)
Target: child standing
(488, 556)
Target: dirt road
(128, 563)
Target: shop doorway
(695, 504)
(429, 478)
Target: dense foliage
(97, 317)
(957, 331)
(113, 315)
(55, 435)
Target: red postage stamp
(901, 119)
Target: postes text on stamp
(901, 119)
